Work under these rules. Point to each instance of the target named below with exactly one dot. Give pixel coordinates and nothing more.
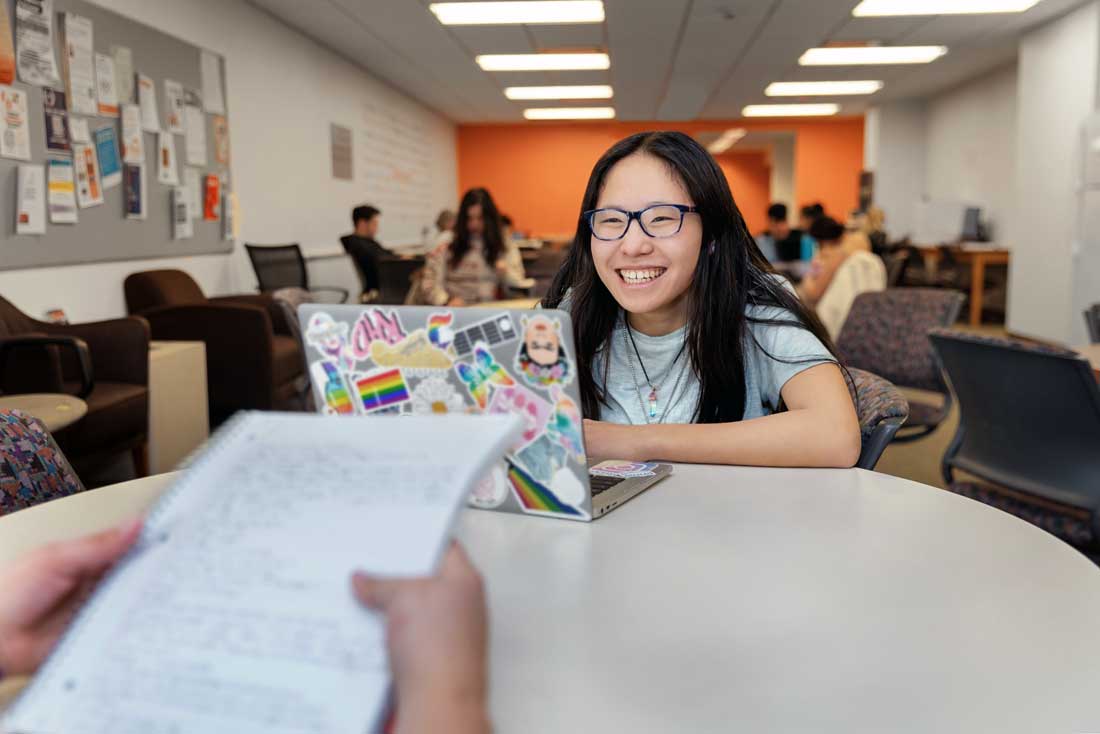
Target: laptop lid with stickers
(421, 360)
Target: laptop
(423, 360)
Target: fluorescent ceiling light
(790, 110)
(726, 140)
(569, 113)
(873, 8)
(511, 13)
(804, 89)
(850, 55)
(599, 91)
(543, 62)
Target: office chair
(283, 266)
(1029, 431)
(1092, 320)
(882, 410)
(886, 333)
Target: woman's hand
(614, 441)
(436, 632)
(40, 594)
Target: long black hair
(730, 276)
(491, 234)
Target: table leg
(977, 288)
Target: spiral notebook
(233, 613)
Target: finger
(91, 554)
(374, 593)
(456, 562)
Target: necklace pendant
(653, 402)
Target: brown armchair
(105, 363)
(253, 362)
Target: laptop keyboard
(602, 484)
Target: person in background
(364, 250)
(838, 275)
(444, 228)
(436, 628)
(515, 275)
(806, 218)
(468, 269)
(779, 242)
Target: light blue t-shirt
(677, 386)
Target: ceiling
(670, 59)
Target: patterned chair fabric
(1071, 524)
(881, 409)
(886, 334)
(32, 467)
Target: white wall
(970, 144)
(283, 91)
(894, 150)
(782, 176)
(1057, 90)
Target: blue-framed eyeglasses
(659, 220)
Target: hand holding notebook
(233, 612)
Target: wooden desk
(977, 258)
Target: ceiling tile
(586, 35)
(509, 39)
(885, 30)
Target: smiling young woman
(688, 347)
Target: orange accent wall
(537, 171)
(749, 176)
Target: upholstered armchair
(253, 361)
(105, 363)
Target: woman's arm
(819, 429)
(817, 280)
(433, 279)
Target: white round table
(55, 410)
(760, 600)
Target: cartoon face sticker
(328, 337)
(541, 359)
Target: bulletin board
(103, 232)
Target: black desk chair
(1092, 319)
(395, 275)
(282, 266)
(1029, 431)
(886, 333)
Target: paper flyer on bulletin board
(7, 46)
(79, 64)
(34, 51)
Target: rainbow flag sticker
(382, 389)
(536, 497)
(439, 332)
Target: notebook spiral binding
(49, 669)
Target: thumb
(374, 593)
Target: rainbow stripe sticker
(382, 389)
(536, 497)
(439, 331)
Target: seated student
(467, 269)
(688, 347)
(515, 275)
(841, 270)
(364, 250)
(779, 242)
(437, 649)
(806, 218)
